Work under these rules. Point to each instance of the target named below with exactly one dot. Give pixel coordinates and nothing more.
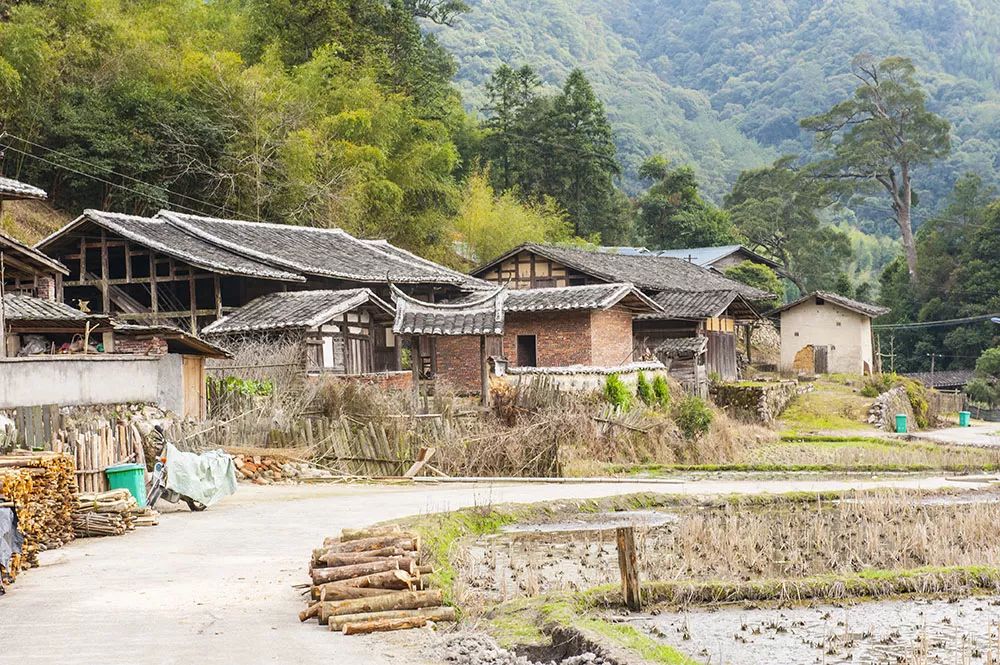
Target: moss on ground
(834, 404)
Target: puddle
(597, 522)
(898, 631)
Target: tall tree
(777, 209)
(672, 213)
(880, 135)
(510, 92)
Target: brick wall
(46, 288)
(561, 339)
(611, 337)
(155, 346)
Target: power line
(141, 194)
(933, 324)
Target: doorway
(526, 351)
(820, 360)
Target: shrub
(693, 417)
(916, 392)
(644, 390)
(617, 393)
(661, 391)
(877, 384)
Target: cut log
(383, 625)
(334, 591)
(429, 613)
(411, 544)
(410, 600)
(325, 575)
(373, 532)
(309, 612)
(398, 580)
(427, 569)
(323, 559)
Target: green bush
(644, 390)
(245, 387)
(916, 392)
(661, 391)
(617, 393)
(693, 417)
(877, 384)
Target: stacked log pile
(42, 488)
(110, 514)
(372, 580)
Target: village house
(824, 332)
(694, 301)
(718, 258)
(339, 332)
(573, 327)
(188, 270)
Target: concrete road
(216, 587)
(985, 435)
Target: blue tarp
(11, 539)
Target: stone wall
(755, 402)
(883, 411)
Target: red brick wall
(611, 337)
(561, 338)
(154, 346)
(458, 361)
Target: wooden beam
(105, 287)
(415, 370)
(128, 263)
(217, 289)
(154, 299)
(628, 566)
(484, 372)
(193, 302)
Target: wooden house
(693, 300)
(824, 332)
(188, 270)
(340, 332)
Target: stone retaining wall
(755, 402)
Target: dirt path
(216, 587)
(986, 435)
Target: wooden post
(128, 262)
(484, 372)
(194, 303)
(154, 303)
(415, 370)
(628, 564)
(217, 283)
(105, 287)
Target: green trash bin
(131, 477)
(900, 423)
(964, 418)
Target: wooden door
(821, 359)
(721, 355)
(193, 382)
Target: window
(526, 351)
(820, 301)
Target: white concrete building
(827, 333)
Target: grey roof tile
(681, 347)
(594, 296)
(868, 309)
(482, 314)
(15, 189)
(28, 308)
(694, 304)
(293, 310)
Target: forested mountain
(721, 85)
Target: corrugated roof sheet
(27, 308)
(482, 315)
(15, 189)
(868, 309)
(646, 271)
(294, 310)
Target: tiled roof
(177, 340)
(646, 271)
(294, 310)
(864, 308)
(28, 308)
(30, 254)
(479, 315)
(694, 304)
(681, 347)
(272, 251)
(15, 189)
(943, 378)
(321, 252)
(594, 296)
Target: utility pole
(892, 354)
(932, 370)
(3, 310)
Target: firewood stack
(110, 514)
(42, 487)
(371, 580)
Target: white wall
(81, 380)
(847, 335)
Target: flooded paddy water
(913, 631)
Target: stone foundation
(754, 402)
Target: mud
(900, 631)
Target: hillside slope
(722, 84)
